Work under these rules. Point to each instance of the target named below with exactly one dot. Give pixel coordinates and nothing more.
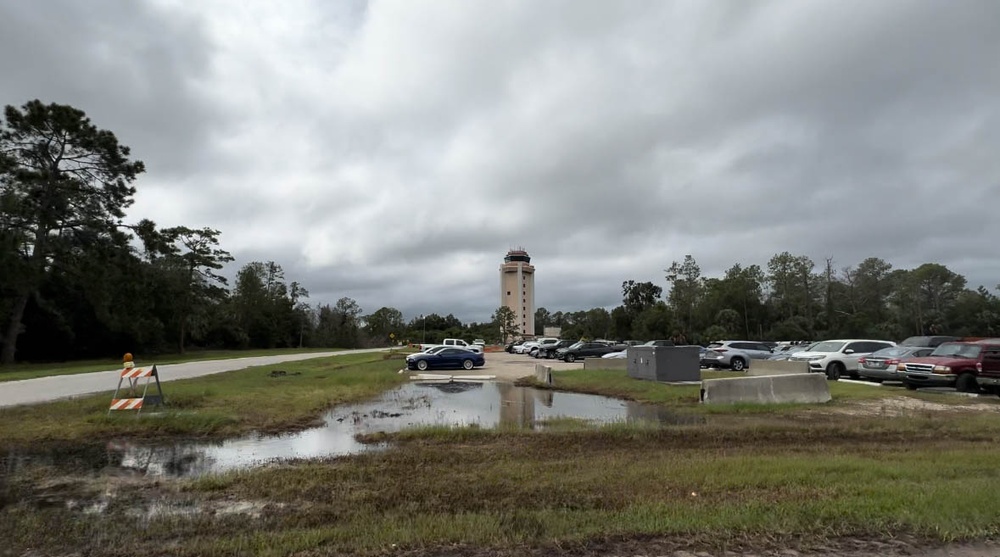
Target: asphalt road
(45, 389)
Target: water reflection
(413, 404)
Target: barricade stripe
(136, 372)
(126, 404)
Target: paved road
(44, 389)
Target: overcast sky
(393, 152)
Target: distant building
(517, 289)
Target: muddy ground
(161, 499)
(672, 548)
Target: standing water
(414, 404)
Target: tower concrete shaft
(517, 289)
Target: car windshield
(576, 345)
(828, 346)
(893, 352)
(712, 345)
(954, 349)
(916, 341)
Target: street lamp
(423, 321)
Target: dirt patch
(897, 406)
(679, 547)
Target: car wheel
(834, 371)
(467, 364)
(422, 365)
(738, 364)
(570, 358)
(966, 383)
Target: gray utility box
(664, 363)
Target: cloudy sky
(394, 151)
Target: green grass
(701, 488)
(794, 476)
(17, 372)
(215, 406)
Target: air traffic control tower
(517, 288)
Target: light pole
(423, 321)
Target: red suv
(963, 365)
(989, 368)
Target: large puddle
(483, 404)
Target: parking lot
(510, 367)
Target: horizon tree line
(80, 282)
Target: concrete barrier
(543, 374)
(776, 367)
(768, 389)
(605, 363)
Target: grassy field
(17, 372)
(216, 406)
(792, 477)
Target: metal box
(664, 363)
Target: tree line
(79, 281)
(791, 299)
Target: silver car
(882, 365)
(734, 354)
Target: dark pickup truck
(967, 366)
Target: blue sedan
(449, 358)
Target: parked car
(734, 354)
(479, 342)
(448, 357)
(437, 348)
(538, 342)
(658, 343)
(882, 365)
(511, 345)
(929, 341)
(988, 368)
(622, 354)
(549, 350)
(785, 351)
(545, 344)
(581, 350)
(839, 357)
(953, 364)
(525, 347)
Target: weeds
(734, 477)
(216, 406)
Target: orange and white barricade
(133, 375)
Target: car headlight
(815, 358)
(942, 369)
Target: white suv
(734, 354)
(839, 357)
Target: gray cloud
(393, 151)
